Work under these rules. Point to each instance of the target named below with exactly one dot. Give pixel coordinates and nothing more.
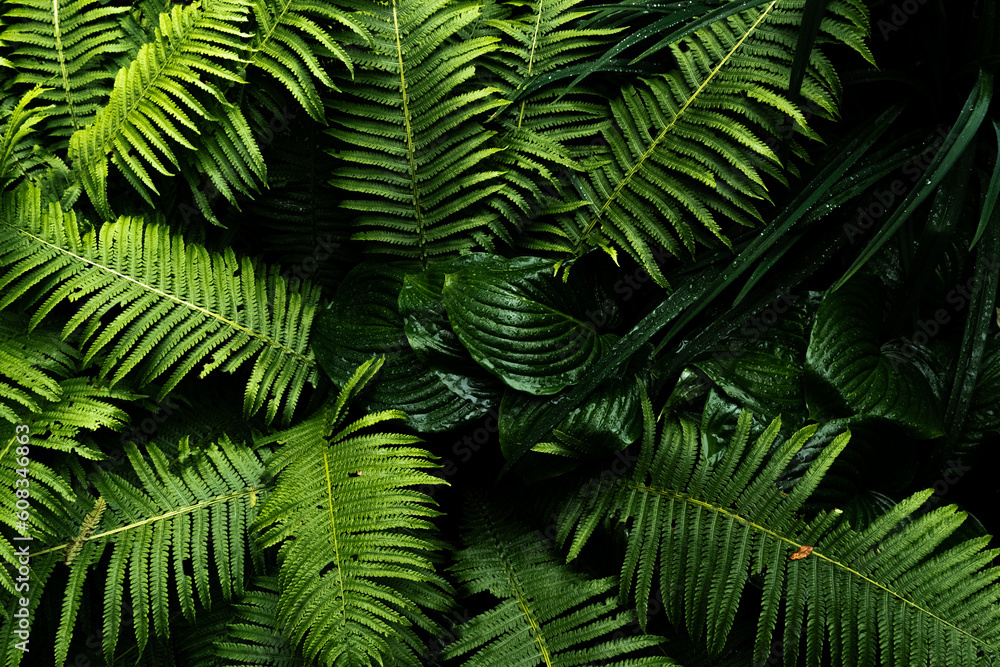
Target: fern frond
(48, 490)
(225, 155)
(84, 405)
(701, 529)
(30, 366)
(290, 35)
(413, 139)
(354, 537)
(162, 528)
(16, 159)
(180, 305)
(689, 146)
(66, 46)
(90, 522)
(152, 101)
(535, 132)
(545, 612)
(252, 632)
(37, 375)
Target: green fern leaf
(252, 632)
(181, 305)
(179, 510)
(290, 35)
(194, 49)
(36, 375)
(413, 138)
(48, 491)
(537, 129)
(15, 156)
(545, 612)
(65, 46)
(704, 528)
(354, 538)
(688, 146)
(30, 364)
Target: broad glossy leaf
(844, 355)
(362, 322)
(425, 322)
(524, 325)
(610, 419)
(718, 424)
(760, 365)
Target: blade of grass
(878, 166)
(812, 16)
(681, 16)
(978, 321)
(991, 194)
(971, 117)
(706, 20)
(837, 163)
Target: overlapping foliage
(449, 243)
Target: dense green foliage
(473, 332)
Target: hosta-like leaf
(425, 322)
(522, 324)
(844, 356)
(361, 323)
(760, 366)
(608, 420)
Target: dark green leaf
(696, 293)
(361, 323)
(844, 355)
(523, 324)
(992, 193)
(812, 15)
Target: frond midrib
(187, 509)
(411, 152)
(235, 325)
(57, 33)
(517, 587)
(656, 142)
(336, 542)
(120, 122)
(670, 493)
